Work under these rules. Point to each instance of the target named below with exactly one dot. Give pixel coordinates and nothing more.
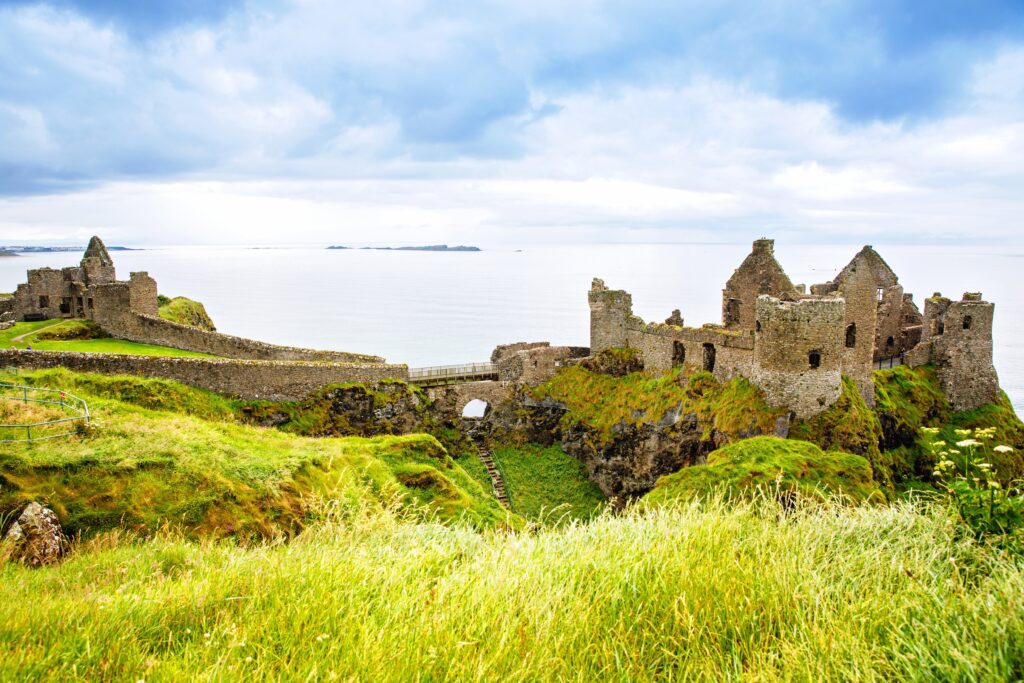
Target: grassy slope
(770, 463)
(182, 461)
(602, 402)
(710, 592)
(86, 345)
(545, 483)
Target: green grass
(183, 461)
(546, 484)
(107, 345)
(770, 464)
(717, 591)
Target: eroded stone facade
(796, 346)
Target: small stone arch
(475, 409)
(851, 335)
(678, 352)
(968, 320)
(814, 359)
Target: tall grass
(683, 593)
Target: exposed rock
(617, 362)
(36, 536)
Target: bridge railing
(441, 372)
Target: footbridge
(441, 375)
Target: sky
(511, 121)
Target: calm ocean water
(430, 308)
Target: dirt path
(20, 339)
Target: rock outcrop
(36, 538)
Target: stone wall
(958, 342)
(533, 364)
(798, 352)
(275, 380)
(113, 315)
(724, 353)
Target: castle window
(881, 293)
(709, 357)
(814, 359)
(44, 301)
(851, 335)
(940, 327)
(89, 301)
(890, 342)
(757, 325)
(732, 312)
(967, 322)
(678, 353)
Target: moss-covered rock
(185, 311)
(72, 330)
(767, 463)
(617, 362)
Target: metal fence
(76, 409)
(452, 372)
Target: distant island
(14, 250)
(432, 247)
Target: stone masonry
(797, 346)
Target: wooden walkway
(439, 375)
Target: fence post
(28, 432)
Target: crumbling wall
(274, 380)
(957, 340)
(142, 294)
(533, 364)
(798, 352)
(663, 347)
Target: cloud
(597, 119)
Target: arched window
(890, 342)
(967, 322)
(814, 359)
(851, 335)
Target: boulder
(36, 537)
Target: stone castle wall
(724, 353)
(114, 315)
(798, 353)
(274, 380)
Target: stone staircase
(497, 482)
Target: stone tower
(97, 266)
(798, 352)
(610, 310)
(957, 340)
(759, 274)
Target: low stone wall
(251, 379)
(153, 330)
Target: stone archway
(452, 400)
(475, 409)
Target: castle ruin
(796, 346)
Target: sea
(439, 308)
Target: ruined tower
(610, 311)
(759, 274)
(957, 340)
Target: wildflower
(1003, 449)
(953, 451)
(968, 442)
(993, 484)
(963, 432)
(984, 465)
(930, 430)
(938, 444)
(249, 658)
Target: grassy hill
(160, 453)
(185, 311)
